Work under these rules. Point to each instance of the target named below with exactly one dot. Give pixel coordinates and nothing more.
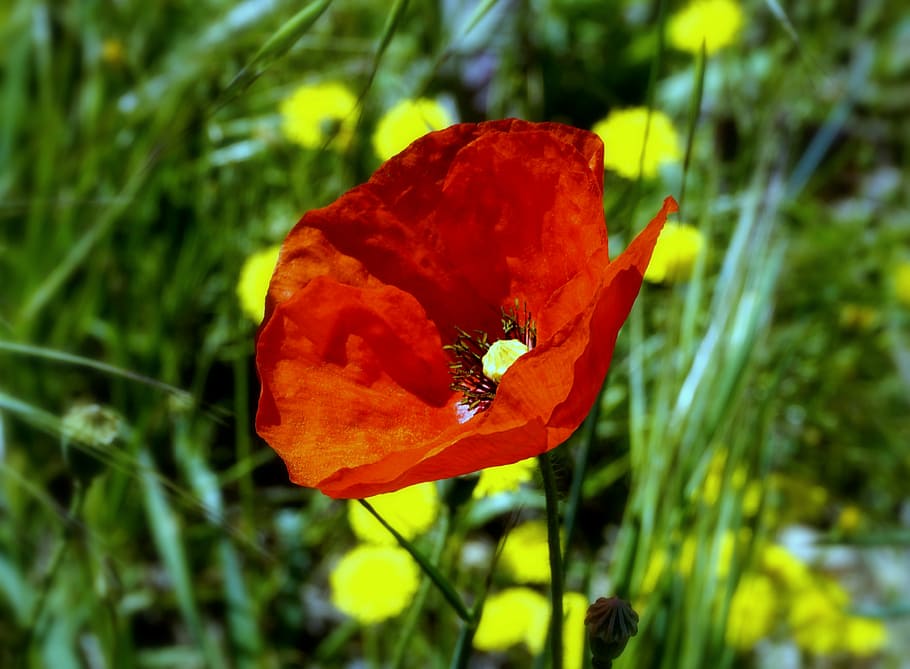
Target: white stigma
(500, 356)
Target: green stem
(549, 488)
(69, 523)
(428, 568)
(416, 610)
(581, 464)
(463, 649)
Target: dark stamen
(468, 350)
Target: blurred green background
(760, 400)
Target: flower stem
(549, 488)
(428, 568)
(415, 613)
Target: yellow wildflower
(507, 618)
(864, 637)
(858, 317)
(112, 51)
(623, 134)
(752, 611)
(850, 518)
(574, 608)
(902, 283)
(405, 122)
(817, 618)
(374, 583)
(716, 23)
(785, 567)
(411, 511)
(254, 279)
(675, 253)
(526, 553)
(313, 110)
(506, 478)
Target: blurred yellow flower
(405, 122)
(526, 554)
(507, 618)
(374, 583)
(411, 511)
(313, 111)
(112, 51)
(858, 317)
(675, 253)
(506, 478)
(850, 518)
(254, 279)
(714, 22)
(623, 135)
(782, 565)
(864, 636)
(574, 608)
(902, 283)
(752, 611)
(522, 615)
(816, 616)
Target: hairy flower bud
(610, 623)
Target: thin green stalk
(549, 487)
(75, 509)
(463, 648)
(428, 568)
(416, 609)
(581, 464)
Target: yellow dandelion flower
(817, 616)
(507, 618)
(374, 583)
(405, 122)
(313, 111)
(752, 611)
(411, 511)
(623, 134)
(526, 554)
(902, 283)
(254, 279)
(785, 567)
(507, 478)
(675, 253)
(717, 23)
(864, 637)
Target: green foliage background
(133, 186)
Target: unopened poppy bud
(87, 431)
(610, 623)
(500, 357)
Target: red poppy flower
(382, 302)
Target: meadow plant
(590, 346)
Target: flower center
(479, 364)
(500, 356)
